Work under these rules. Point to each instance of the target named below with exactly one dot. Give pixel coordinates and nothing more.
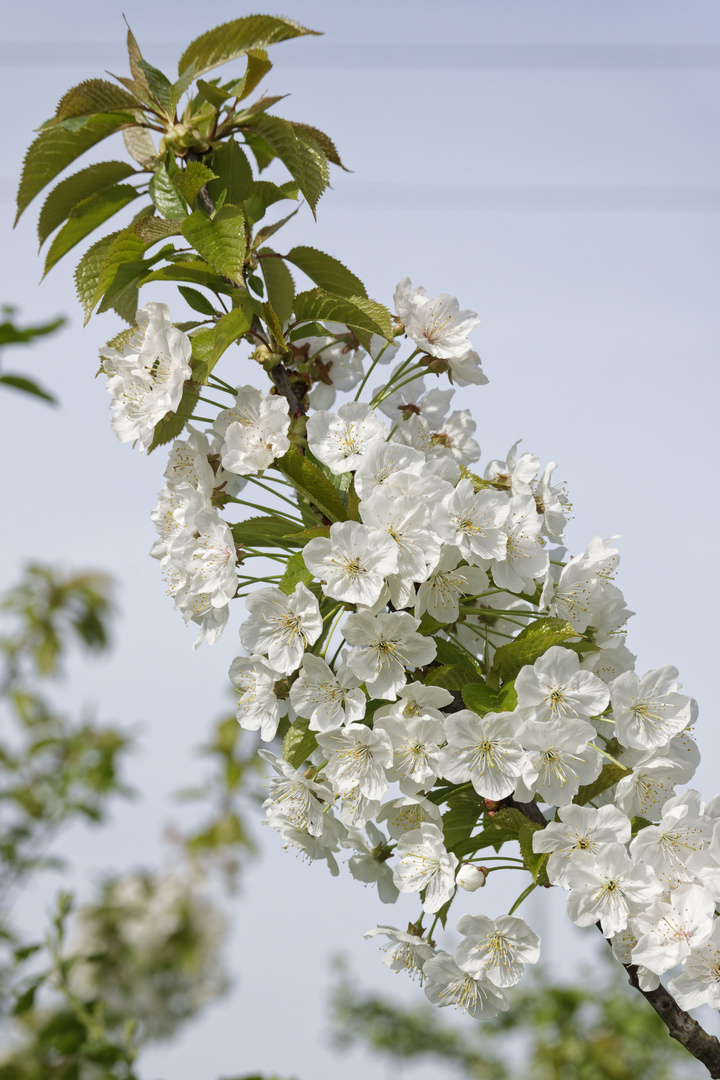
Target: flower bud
(471, 877)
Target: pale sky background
(554, 165)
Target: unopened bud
(471, 877)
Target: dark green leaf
(195, 271)
(220, 240)
(312, 483)
(262, 532)
(165, 195)
(233, 172)
(191, 179)
(122, 293)
(197, 301)
(305, 164)
(159, 85)
(327, 272)
(531, 643)
(151, 229)
(357, 312)
(295, 573)
(449, 676)
(54, 150)
(125, 247)
(323, 141)
(68, 193)
(609, 776)
(19, 382)
(450, 653)
(86, 217)
(478, 697)
(298, 743)
(232, 39)
(535, 862)
(179, 87)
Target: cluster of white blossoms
(444, 678)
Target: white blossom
(446, 983)
(254, 431)
(281, 626)
(497, 949)
(341, 439)
(353, 563)
(607, 886)
(327, 700)
(384, 648)
(257, 705)
(423, 863)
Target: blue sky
(555, 166)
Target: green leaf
(151, 229)
(165, 195)
(258, 66)
(122, 293)
(126, 247)
(191, 179)
(478, 697)
(298, 743)
(159, 85)
(357, 312)
(179, 87)
(95, 96)
(195, 271)
(323, 141)
(171, 426)
(465, 808)
(280, 285)
(87, 216)
(76, 188)
(234, 175)
(327, 272)
(19, 382)
(88, 271)
(428, 626)
(54, 150)
(305, 164)
(309, 534)
(13, 335)
(230, 328)
(531, 643)
(609, 775)
(449, 676)
(220, 240)
(295, 573)
(450, 653)
(534, 861)
(214, 95)
(232, 39)
(197, 301)
(262, 532)
(141, 147)
(312, 483)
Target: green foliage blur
(596, 1028)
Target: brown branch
(680, 1025)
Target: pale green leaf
(219, 240)
(88, 271)
(610, 775)
(214, 95)
(151, 229)
(258, 66)
(141, 147)
(263, 532)
(195, 272)
(232, 39)
(296, 573)
(229, 329)
(160, 86)
(299, 743)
